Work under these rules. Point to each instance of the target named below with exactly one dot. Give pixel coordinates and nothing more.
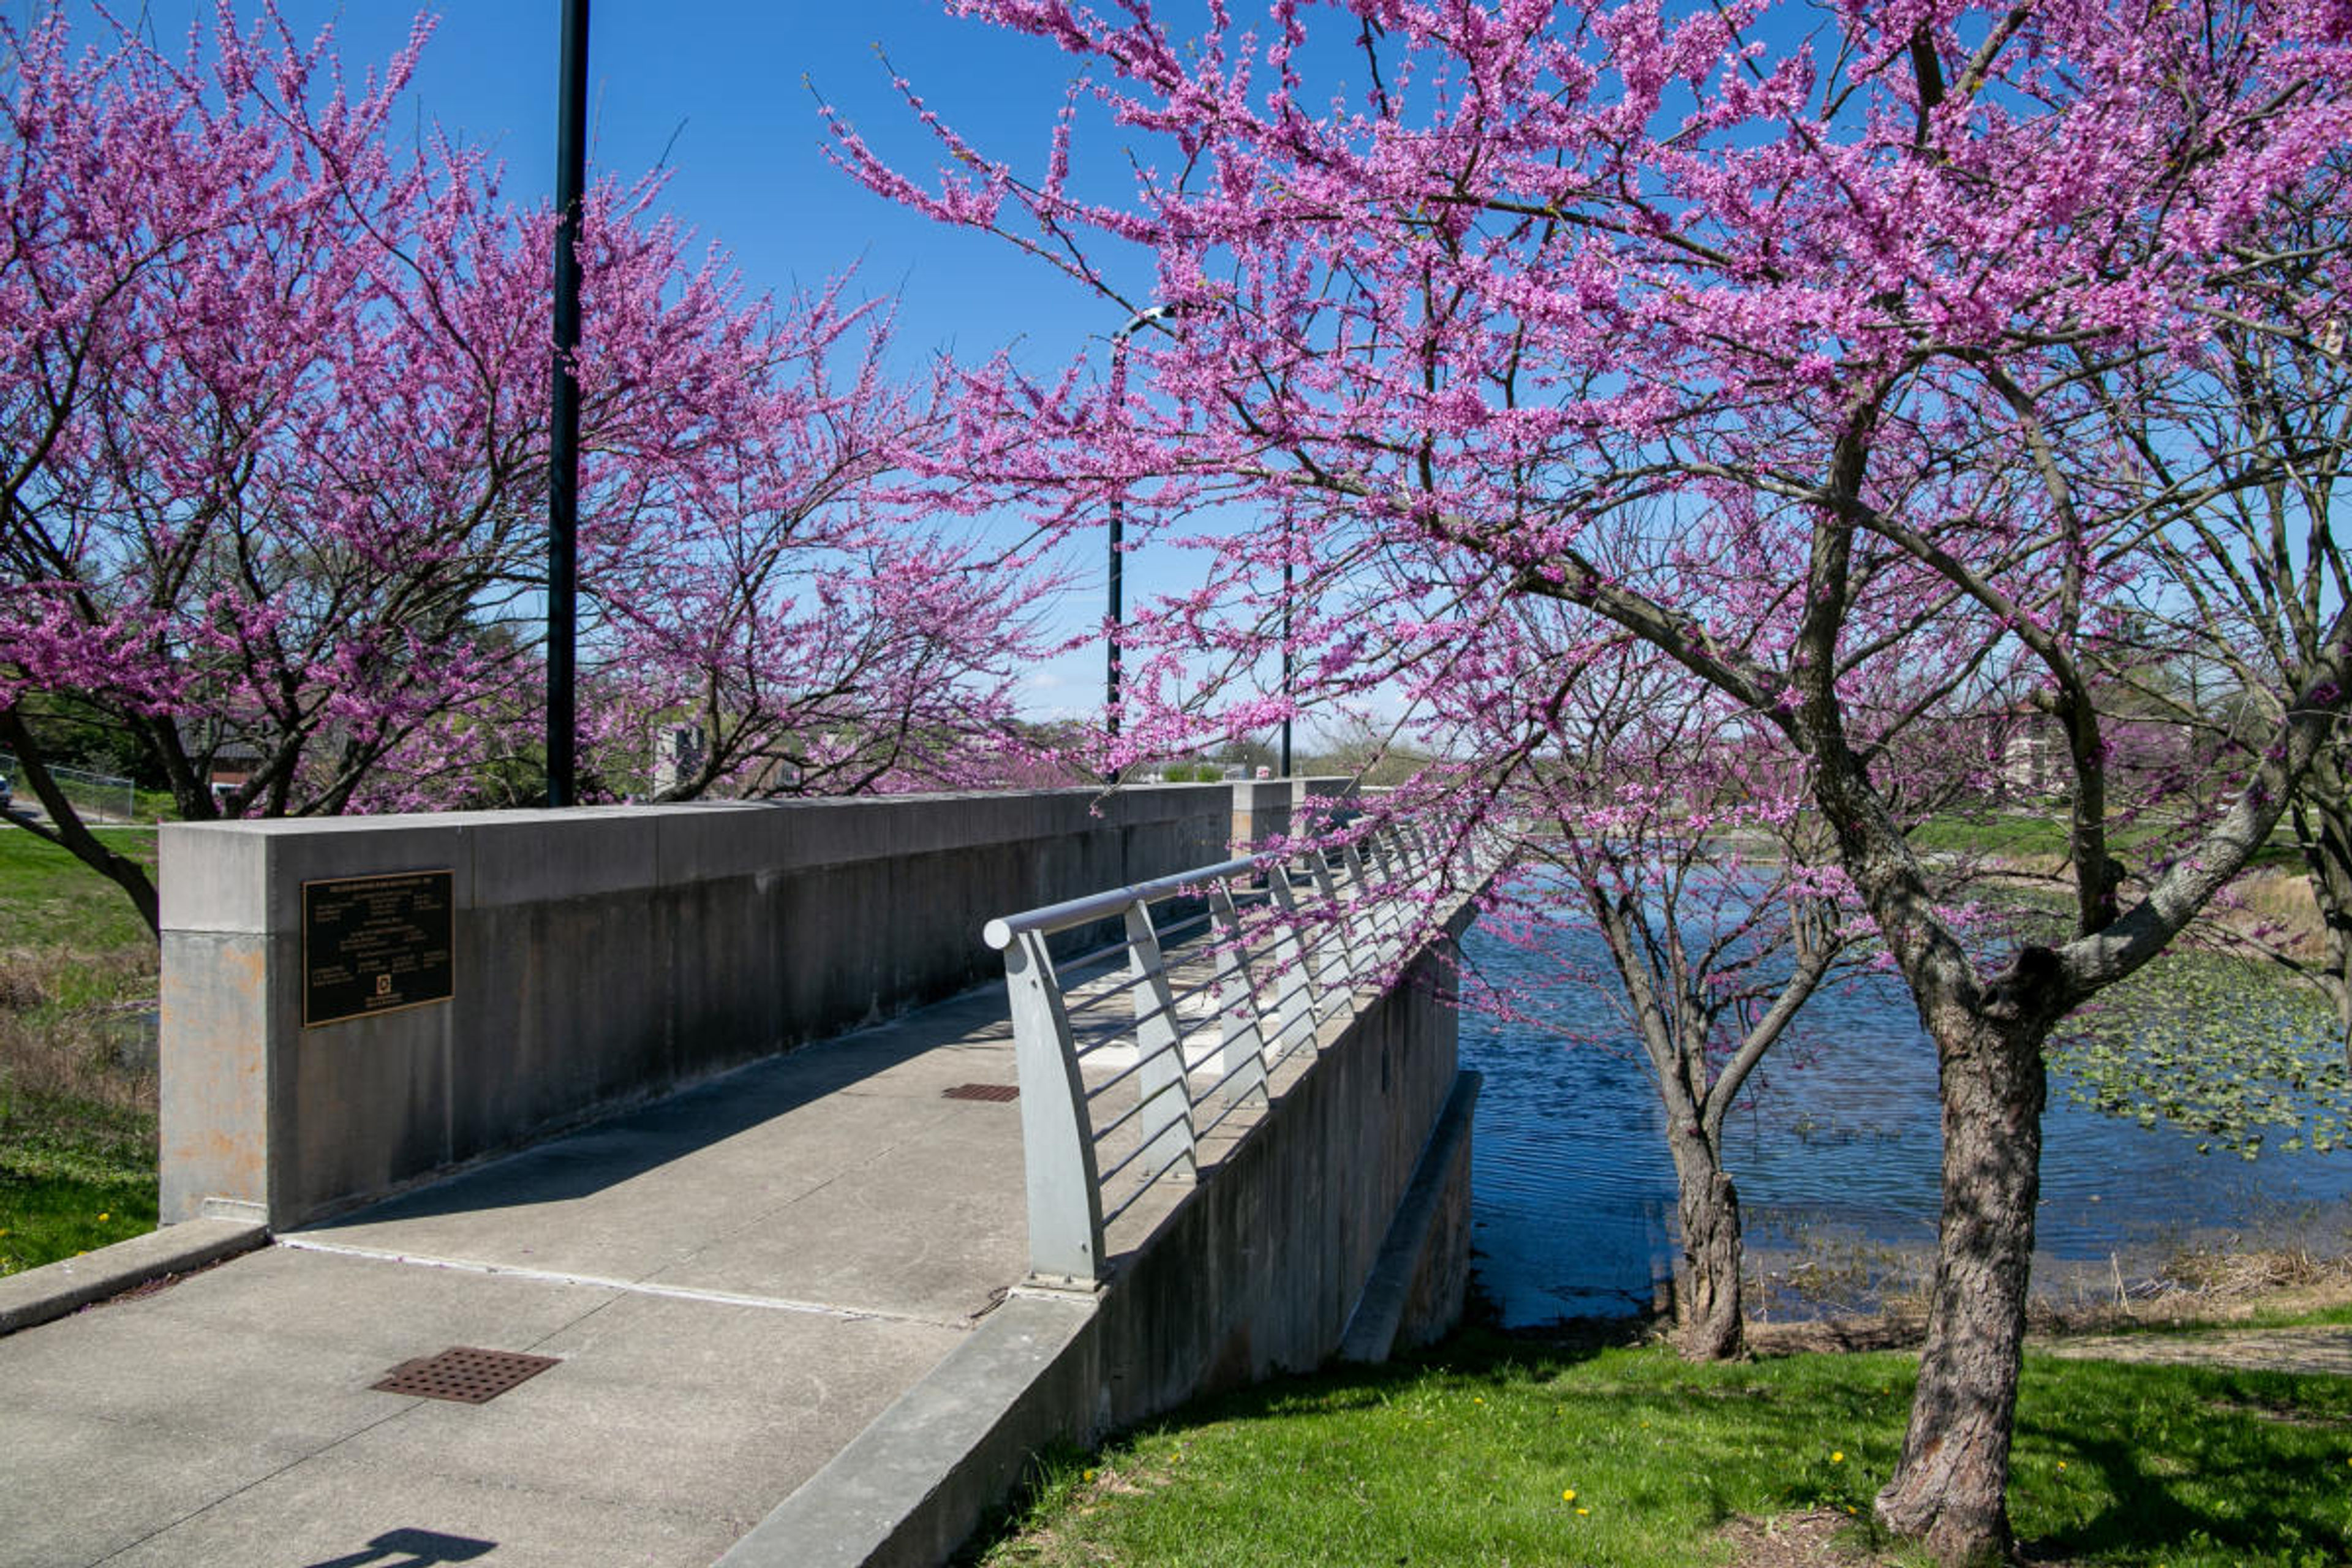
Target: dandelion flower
(1087, 1477)
(104, 1217)
(1837, 1456)
(1568, 1496)
(1584, 1510)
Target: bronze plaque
(375, 944)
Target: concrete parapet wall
(601, 956)
(1265, 809)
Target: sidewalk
(736, 1282)
(2306, 1350)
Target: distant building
(2035, 761)
(231, 768)
(679, 756)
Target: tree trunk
(1707, 1325)
(1948, 1488)
(2323, 826)
(66, 831)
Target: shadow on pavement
(630, 1143)
(412, 1549)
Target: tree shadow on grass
(2246, 1467)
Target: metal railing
(1131, 1052)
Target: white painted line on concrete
(628, 1286)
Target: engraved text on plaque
(374, 944)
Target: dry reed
(56, 1050)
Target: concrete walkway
(2315, 1349)
(737, 1280)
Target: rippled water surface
(1835, 1160)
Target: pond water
(1835, 1157)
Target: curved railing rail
(1132, 1052)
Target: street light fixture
(1150, 315)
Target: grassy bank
(76, 1084)
(1495, 1450)
(2038, 833)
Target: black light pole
(563, 433)
(1285, 646)
(1112, 587)
(1112, 574)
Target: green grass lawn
(2038, 832)
(77, 1108)
(1492, 1450)
(48, 900)
(72, 1177)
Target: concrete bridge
(786, 1237)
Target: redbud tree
(1668, 826)
(273, 482)
(1664, 826)
(2261, 412)
(1455, 301)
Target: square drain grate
(463, 1374)
(997, 1091)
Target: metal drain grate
(463, 1374)
(997, 1091)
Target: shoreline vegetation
(2195, 1290)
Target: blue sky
(718, 85)
(717, 90)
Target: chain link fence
(100, 797)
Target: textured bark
(1708, 1323)
(1949, 1488)
(1675, 1026)
(2331, 887)
(2322, 827)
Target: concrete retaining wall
(1259, 1269)
(601, 956)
